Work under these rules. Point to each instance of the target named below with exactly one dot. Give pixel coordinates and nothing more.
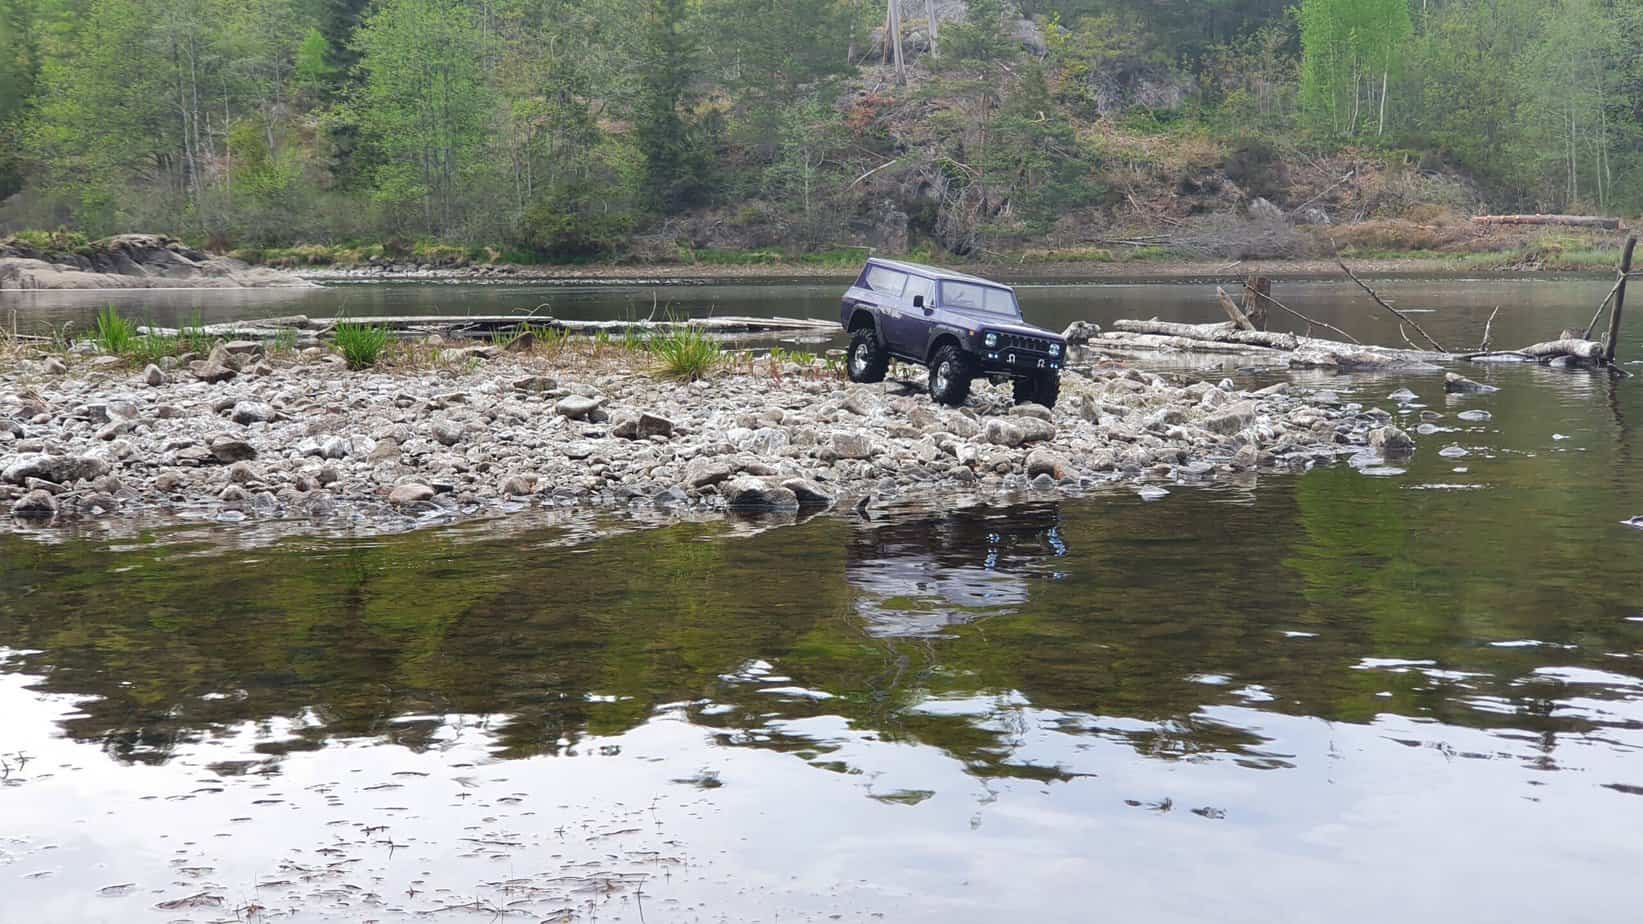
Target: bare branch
(1310, 321)
(1488, 330)
(1602, 305)
(1384, 304)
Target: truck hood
(987, 320)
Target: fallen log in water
(1568, 221)
(485, 325)
(1220, 333)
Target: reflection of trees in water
(973, 631)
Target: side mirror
(918, 301)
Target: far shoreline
(1060, 273)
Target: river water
(1326, 696)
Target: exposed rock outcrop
(130, 261)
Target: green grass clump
(151, 348)
(54, 241)
(285, 341)
(192, 338)
(686, 353)
(361, 344)
(115, 334)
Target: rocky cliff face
(130, 261)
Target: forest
(563, 130)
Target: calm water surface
(1320, 697)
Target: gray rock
(1262, 209)
(1403, 396)
(1034, 430)
(517, 486)
(242, 473)
(577, 407)
(412, 493)
(852, 444)
(1231, 420)
(757, 494)
(448, 432)
(1038, 411)
(54, 366)
(700, 473)
(337, 448)
(1002, 432)
(153, 377)
(809, 493)
(1391, 441)
(1044, 462)
(227, 451)
(1475, 416)
(64, 470)
(213, 372)
(252, 412)
(35, 505)
(1081, 332)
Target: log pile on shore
(300, 436)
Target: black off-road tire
(867, 361)
(1039, 388)
(951, 371)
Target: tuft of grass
(361, 344)
(151, 348)
(635, 342)
(285, 341)
(686, 353)
(192, 338)
(115, 334)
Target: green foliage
(360, 344)
(115, 334)
(1350, 48)
(313, 132)
(671, 139)
(423, 107)
(686, 353)
(314, 72)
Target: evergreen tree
(665, 128)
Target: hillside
(295, 131)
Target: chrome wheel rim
(940, 378)
(858, 359)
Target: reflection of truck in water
(916, 577)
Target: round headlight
(1055, 349)
(991, 341)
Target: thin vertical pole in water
(1619, 300)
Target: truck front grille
(1021, 342)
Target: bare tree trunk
(930, 13)
(895, 40)
(1385, 75)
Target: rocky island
(458, 430)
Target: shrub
(687, 353)
(361, 344)
(114, 333)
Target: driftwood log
(1233, 311)
(1219, 333)
(1568, 221)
